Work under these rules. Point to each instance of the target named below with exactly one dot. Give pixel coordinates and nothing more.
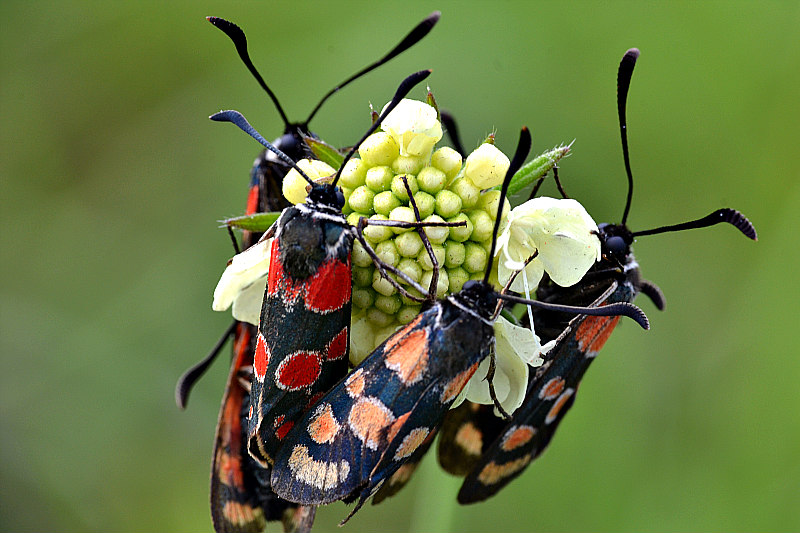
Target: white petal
(247, 306)
(244, 269)
(513, 340)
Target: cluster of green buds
(399, 169)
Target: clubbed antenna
(623, 84)
(731, 216)
(238, 119)
(616, 309)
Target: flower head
(563, 234)
(414, 126)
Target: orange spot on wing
(243, 514)
(252, 201)
(409, 356)
(330, 287)
(593, 333)
(323, 427)
(355, 383)
(397, 425)
(469, 438)
(552, 389)
(320, 474)
(368, 419)
(552, 414)
(516, 437)
(457, 384)
(494, 473)
(411, 442)
(398, 337)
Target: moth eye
(617, 245)
(339, 198)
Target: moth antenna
(190, 377)
(623, 84)
(523, 148)
(414, 36)
(236, 35)
(731, 216)
(405, 87)
(652, 291)
(452, 131)
(492, 392)
(615, 309)
(558, 183)
(238, 119)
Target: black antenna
(405, 87)
(615, 309)
(236, 118)
(623, 84)
(523, 148)
(236, 35)
(414, 36)
(190, 377)
(731, 216)
(449, 122)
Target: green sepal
(432, 102)
(256, 222)
(536, 168)
(324, 152)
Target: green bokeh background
(113, 179)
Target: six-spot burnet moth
(241, 497)
(491, 454)
(360, 433)
(303, 338)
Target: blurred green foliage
(113, 180)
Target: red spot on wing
(552, 389)
(337, 348)
(284, 429)
(252, 200)
(278, 282)
(330, 287)
(261, 358)
(298, 371)
(593, 333)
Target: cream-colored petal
(244, 269)
(247, 305)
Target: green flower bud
(408, 244)
(447, 160)
(486, 166)
(352, 218)
(410, 267)
(468, 192)
(387, 251)
(448, 204)
(443, 284)
(379, 149)
(361, 200)
(461, 233)
(346, 209)
(399, 188)
(378, 317)
(359, 255)
(407, 164)
(431, 180)
(483, 223)
(425, 204)
(454, 254)
(425, 260)
(379, 178)
(407, 313)
(362, 276)
(477, 276)
(403, 214)
(382, 285)
(458, 277)
(489, 202)
(353, 174)
(437, 235)
(384, 202)
(388, 304)
(409, 301)
(475, 258)
(376, 234)
(363, 298)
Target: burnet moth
(241, 497)
(493, 453)
(303, 339)
(360, 433)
